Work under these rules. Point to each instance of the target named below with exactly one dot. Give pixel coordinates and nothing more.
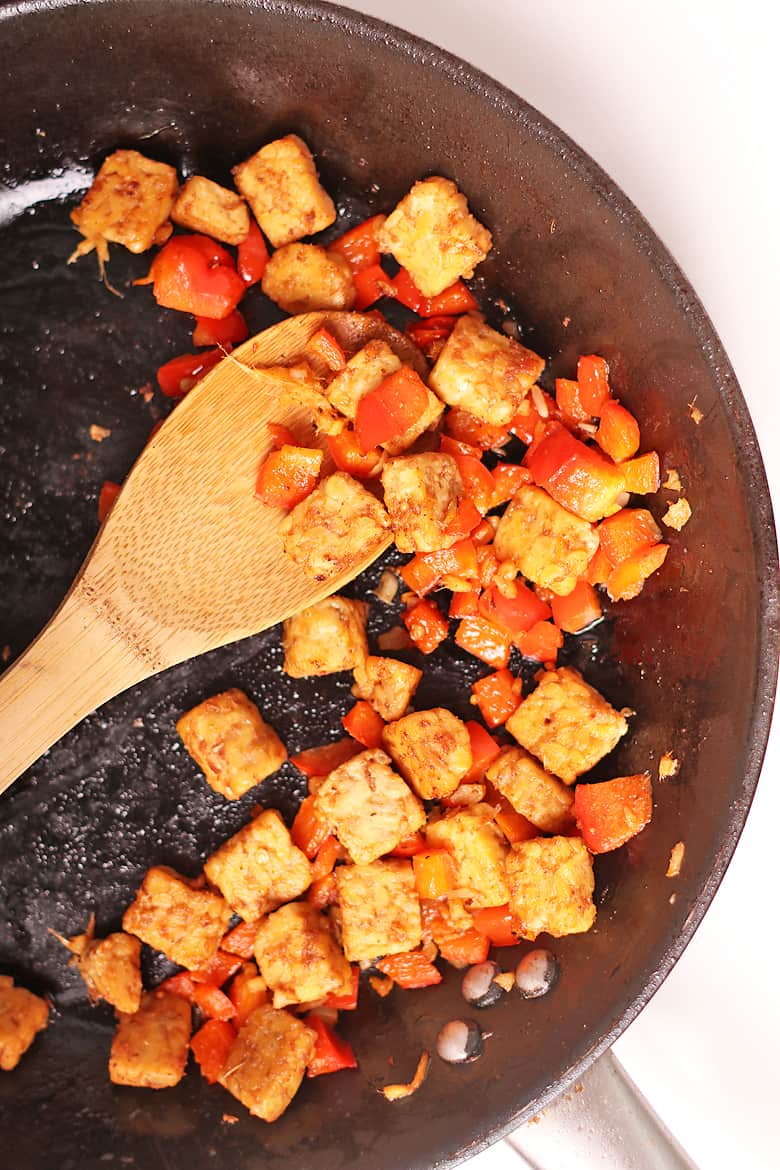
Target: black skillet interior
(202, 85)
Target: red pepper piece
(227, 331)
(177, 377)
(195, 275)
(515, 614)
(371, 284)
(211, 1045)
(593, 381)
(426, 624)
(359, 245)
(288, 476)
(348, 1002)
(611, 813)
(321, 760)
(484, 750)
(411, 969)
(347, 456)
(331, 1053)
(308, 831)
(497, 924)
(364, 724)
(497, 696)
(108, 493)
(484, 640)
(389, 411)
(252, 256)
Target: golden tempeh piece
(22, 1016)
(267, 1061)
(150, 1047)
(566, 724)
(204, 206)
(228, 738)
(534, 793)
(422, 493)
(387, 684)
(544, 541)
(298, 956)
(328, 637)
(551, 886)
(332, 529)
(111, 968)
(129, 202)
(432, 233)
(185, 923)
(431, 750)
(280, 184)
(478, 848)
(259, 868)
(302, 278)
(380, 909)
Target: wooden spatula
(188, 559)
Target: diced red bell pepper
(478, 482)
(359, 245)
(247, 992)
(497, 924)
(320, 761)
(581, 608)
(534, 414)
(484, 640)
(625, 533)
(347, 456)
(240, 940)
(252, 256)
(323, 892)
(513, 615)
(213, 1002)
(414, 843)
(225, 331)
(454, 300)
(331, 1053)
(281, 436)
(180, 984)
(411, 969)
(391, 409)
(309, 832)
(424, 571)
(434, 873)
(542, 642)
(488, 565)
(575, 475)
(643, 474)
(430, 334)
(508, 478)
(464, 605)
(618, 433)
(371, 284)
(349, 1001)
(218, 969)
(569, 402)
(323, 345)
(288, 476)
(364, 724)
(465, 949)
(211, 1045)
(427, 625)
(484, 750)
(452, 446)
(460, 424)
(611, 813)
(195, 275)
(177, 377)
(599, 568)
(483, 533)
(497, 696)
(593, 381)
(108, 494)
(467, 517)
(627, 579)
(329, 852)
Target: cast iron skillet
(202, 85)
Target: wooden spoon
(188, 559)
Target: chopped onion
(540, 402)
(398, 1092)
(387, 587)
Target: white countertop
(678, 102)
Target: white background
(679, 103)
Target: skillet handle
(76, 663)
(606, 1124)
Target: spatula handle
(76, 663)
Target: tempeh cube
(204, 206)
(432, 233)
(422, 493)
(150, 1046)
(169, 914)
(551, 886)
(228, 738)
(129, 202)
(544, 541)
(298, 956)
(111, 968)
(387, 684)
(368, 806)
(22, 1016)
(280, 184)
(380, 909)
(535, 794)
(325, 638)
(484, 372)
(259, 868)
(267, 1061)
(566, 724)
(431, 749)
(478, 848)
(303, 278)
(335, 528)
